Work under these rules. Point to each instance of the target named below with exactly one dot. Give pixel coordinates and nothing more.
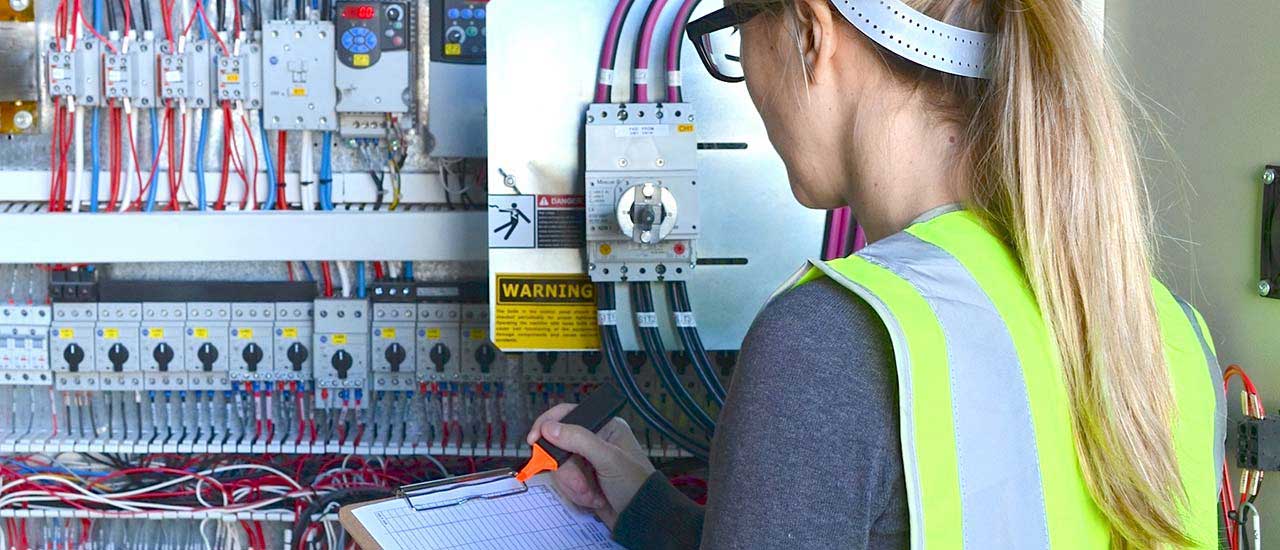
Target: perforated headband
(918, 37)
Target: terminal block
(239, 76)
(641, 191)
(394, 351)
(252, 347)
(298, 83)
(24, 345)
(117, 346)
(162, 346)
(186, 75)
(73, 346)
(439, 341)
(342, 344)
(293, 341)
(208, 345)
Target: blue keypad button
(480, 13)
(453, 13)
(467, 13)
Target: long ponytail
(1057, 172)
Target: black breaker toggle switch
(395, 356)
(74, 355)
(118, 354)
(297, 355)
(163, 354)
(440, 355)
(342, 362)
(252, 355)
(208, 355)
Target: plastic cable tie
(646, 319)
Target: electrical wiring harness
(1239, 511)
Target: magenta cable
(859, 239)
(839, 226)
(674, 40)
(605, 78)
(641, 78)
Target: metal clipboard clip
(442, 493)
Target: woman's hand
(608, 468)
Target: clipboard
(486, 508)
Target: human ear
(816, 37)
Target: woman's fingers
(554, 414)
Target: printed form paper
(539, 519)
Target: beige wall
(1210, 70)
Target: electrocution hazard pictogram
(511, 221)
(535, 312)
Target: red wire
(155, 162)
(174, 182)
(116, 156)
(225, 175)
(327, 278)
(282, 144)
(377, 271)
(53, 155)
(250, 189)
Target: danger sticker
(545, 312)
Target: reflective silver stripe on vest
(1001, 494)
(1219, 394)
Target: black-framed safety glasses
(719, 42)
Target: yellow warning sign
(545, 312)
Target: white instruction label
(641, 130)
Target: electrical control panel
(459, 50)
(298, 75)
(642, 192)
(341, 343)
(374, 62)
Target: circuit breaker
(439, 341)
(459, 51)
(117, 356)
(374, 42)
(642, 192)
(24, 345)
(73, 347)
(162, 345)
(293, 354)
(394, 351)
(298, 76)
(207, 342)
(342, 344)
(252, 345)
(481, 361)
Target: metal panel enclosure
(542, 72)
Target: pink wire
(646, 43)
(611, 46)
(673, 47)
(835, 235)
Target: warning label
(561, 223)
(545, 312)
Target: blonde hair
(1056, 174)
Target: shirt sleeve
(659, 517)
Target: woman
(997, 369)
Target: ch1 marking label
(545, 312)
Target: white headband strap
(920, 38)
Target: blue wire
(271, 167)
(360, 291)
(200, 147)
(326, 171)
(51, 469)
(155, 159)
(307, 270)
(95, 152)
(408, 271)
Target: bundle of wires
(1237, 512)
(646, 321)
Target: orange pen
(593, 413)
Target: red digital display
(358, 12)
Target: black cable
(111, 15)
(612, 56)
(144, 8)
(680, 26)
(377, 184)
(258, 16)
(221, 14)
(642, 302)
(137, 21)
(678, 297)
(611, 351)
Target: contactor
(298, 76)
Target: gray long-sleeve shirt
(806, 453)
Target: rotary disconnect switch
(647, 213)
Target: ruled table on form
(536, 519)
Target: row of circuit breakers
(440, 334)
(347, 75)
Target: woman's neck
(908, 165)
